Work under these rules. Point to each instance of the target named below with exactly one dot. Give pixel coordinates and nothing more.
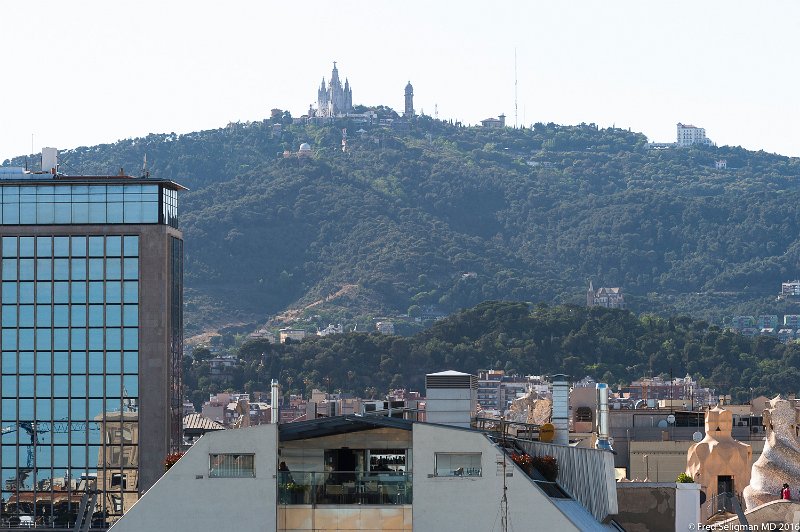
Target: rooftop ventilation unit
(451, 398)
(49, 160)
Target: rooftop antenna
(515, 88)
(145, 171)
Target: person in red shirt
(785, 493)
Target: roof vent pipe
(603, 441)
(275, 413)
(560, 409)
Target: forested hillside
(439, 216)
(614, 346)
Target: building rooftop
(328, 426)
(200, 422)
(38, 178)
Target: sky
(89, 72)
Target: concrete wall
(666, 459)
(453, 406)
(657, 507)
(186, 500)
(347, 518)
(473, 503)
(154, 349)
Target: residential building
(331, 329)
(372, 473)
(92, 338)
(768, 321)
(385, 327)
(195, 425)
(791, 320)
(496, 390)
(689, 134)
(495, 123)
(722, 164)
(743, 322)
(292, 335)
(790, 288)
(220, 366)
(264, 334)
(605, 297)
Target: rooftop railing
(344, 487)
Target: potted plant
(546, 465)
(524, 461)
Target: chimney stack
(603, 441)
(274, 400)
(560, 408)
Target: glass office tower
(91, 338)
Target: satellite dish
(697, 436)
(671, 419)
(662, 424)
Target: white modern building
(372, 473)
(689, 134)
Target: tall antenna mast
(504, 500)
(436, 111)
(515, 88)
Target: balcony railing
(344, 487)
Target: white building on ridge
(689, 134)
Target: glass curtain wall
(68, 375)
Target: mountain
(428, 217)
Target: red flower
(171, 459)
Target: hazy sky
(87, 72)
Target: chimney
(560, 414)
(603, 442)
(452, 398)
(274, 400)
(49, 160)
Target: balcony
(344, 488)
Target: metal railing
(344, 487)
(725, 503)
(586, 474)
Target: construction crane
(24, 472)
(33, 429)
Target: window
(458, 465)
(119, 480)
(583, 413)
(117, 503)
(231, 466)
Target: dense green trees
(610, 345)
(439, 216)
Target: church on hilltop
(335, 99)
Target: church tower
(409, 112)
(322, 100)
(334, 100)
